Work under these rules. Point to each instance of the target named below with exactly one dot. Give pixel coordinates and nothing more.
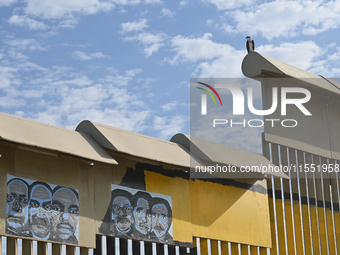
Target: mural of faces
(39, 210)
(159, 220)
(139, 216)
(142, 216)
(35, 210)
(65, 213)
(17, 207)
(122, 214)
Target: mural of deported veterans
(39, 210)
(65, 213)
(17, 208)
(138, 215)
(42, 211)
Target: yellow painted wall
(230, 214)
(179, 190)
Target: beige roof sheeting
(175, 152)
(33, 134)
(254, 65)
(137, 145)
(211, 153)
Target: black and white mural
(138, 215)
(41, 210)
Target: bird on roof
(250, 44)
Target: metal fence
(305, 213)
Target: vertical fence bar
(219, 247)
(333, 199)
(280, 163)
(104, 246)
(298, 173)
(141, 248)
(198, 245)
(315, 174)
(35, 247)
(19, 246)
(292, 175)
(117, 246)
(322, 162)
(274, 206)
(129, 242)
(49, 248)
(308, 161)
(209, 246)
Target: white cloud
(286, 18)
(235, 135)
(301, 54)
(7, 76)
(24, 21)
(65, 9)
(170, 106)
(7, 2)
(152, 1)
(169, 126)
(62, 96)
(24, 44)
(126, 2)
(122, 80)
(80, 81)
(183, 3)
(213, 57)
(151, 42)
(230, 4)
(50, 9)
(133, 26)
(167, 13)
(68, 23)
(83, 56)
(101, 103)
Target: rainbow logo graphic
(209, 93)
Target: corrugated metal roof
(136, 144)
(43, 136)
(255, 64)
(214, 153)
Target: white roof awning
(31, 134)
(136, 145)
(255, 65)
(211, 153)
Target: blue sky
(128, 63)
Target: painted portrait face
(122, 214)
(65, 213)
(159, 220)
(40, 211)
(142, 221)
(17, 206)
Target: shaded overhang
(211, 153)
(258, 66)
(51, 140)
(137, 145)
